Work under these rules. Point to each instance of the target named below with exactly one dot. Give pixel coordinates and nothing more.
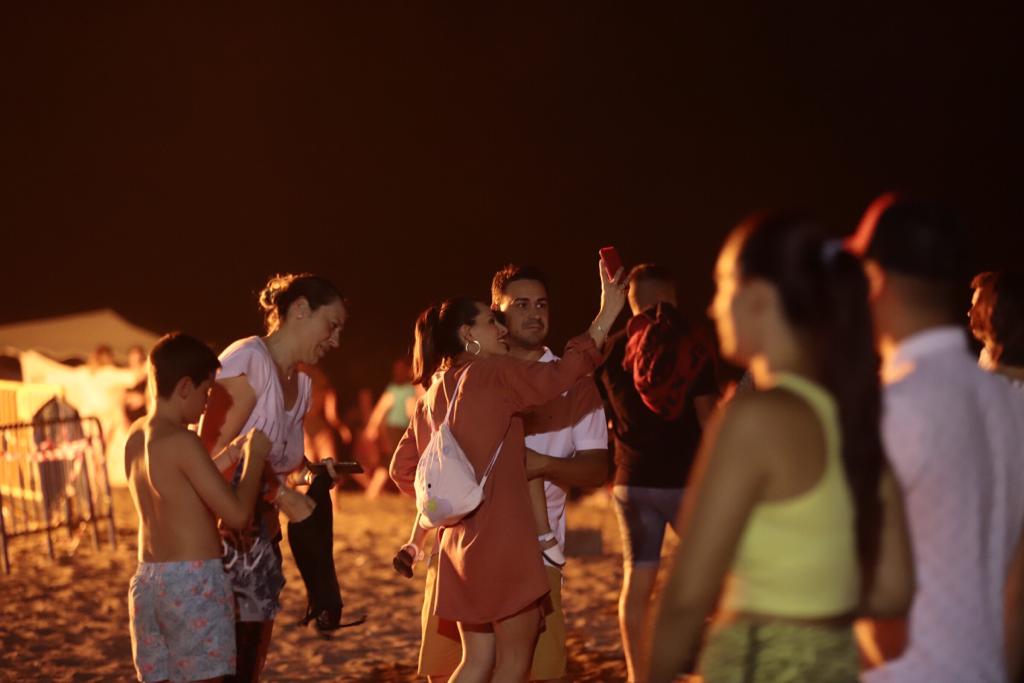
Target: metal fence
(53, 475)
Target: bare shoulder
(136, 440)
(135, 445)
(766, 421)
(176, 444)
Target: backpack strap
(494, 459)
(490, 465)
(448, 414)
(451, 399)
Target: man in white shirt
(566, 439)
(955, 438)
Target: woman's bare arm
(892, 588)
(747, 447)
(231, 402)
(725, 486)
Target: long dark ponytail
(824, 295)
(437, 335)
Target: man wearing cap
(955, 438)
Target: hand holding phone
(610, 259)
(613, 294)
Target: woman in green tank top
(791, 508)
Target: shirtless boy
(180, 601)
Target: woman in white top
(258, 386)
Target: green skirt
(747, 652)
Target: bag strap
(451, 399)
(448, 414)
(494, 459)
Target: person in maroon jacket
(659, 383)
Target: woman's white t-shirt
(250, 358)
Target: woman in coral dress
(491, 579)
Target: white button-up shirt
(574, 422)
(955, 437)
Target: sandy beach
(67, 620)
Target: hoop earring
(479, 347)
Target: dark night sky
(164, 158)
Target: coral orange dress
(490, 566)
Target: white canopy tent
(94, 391)
(76, 335)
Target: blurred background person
(997, 321)
(389, 420)
(362, 449)
(135, 396)
(323, 430)
(327, 438)
(659, 383)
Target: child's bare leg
(418, 534)
(539, 506)
(413, 551)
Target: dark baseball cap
(913, 237)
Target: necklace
(285, 373)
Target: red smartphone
(610, 259)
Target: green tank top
(798, 557)
(396, 416)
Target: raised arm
(533, 384)
(530, 384)
(613, 300)
(234, 507)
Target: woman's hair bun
(282, 290)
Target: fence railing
(53, 475)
